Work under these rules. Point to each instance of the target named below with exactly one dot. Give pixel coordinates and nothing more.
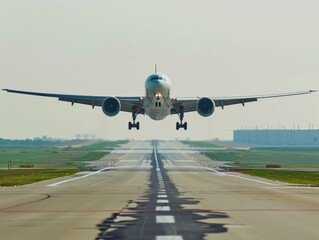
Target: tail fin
(155, 68)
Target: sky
(207, 48)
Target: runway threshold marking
(77, 178)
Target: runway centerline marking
(163, 208)
(169, 237)
(165, 219)
(162, 199)
(162, 196)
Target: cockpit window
(156, 77)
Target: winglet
(5, 90)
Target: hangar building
(279, 137)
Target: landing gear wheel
(181, 125)
(134, 125)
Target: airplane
(157, 102)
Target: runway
(158, 190)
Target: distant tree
(86, 136)
(78, 136)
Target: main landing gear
(134, 124)
(180, 124)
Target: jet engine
(111, 106)
(205, 106)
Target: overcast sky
(207, 48)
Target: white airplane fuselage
(157, 102)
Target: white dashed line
(169, 237)
(163, 208)
(165, 219)
(162, 196)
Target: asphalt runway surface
(161, 191)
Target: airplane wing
(127, 103)
(189, 104)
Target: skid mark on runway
(43, 197)
(160, 213)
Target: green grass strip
(28, 176)
(201, 144)
(294, 177)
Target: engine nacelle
(205, 107)
(111, 106)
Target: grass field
(55, 157)
(259, 158)
(295, 177)
(254, 161)
(299, 157)
(57, 161)
(27, 176)
(200, 144)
